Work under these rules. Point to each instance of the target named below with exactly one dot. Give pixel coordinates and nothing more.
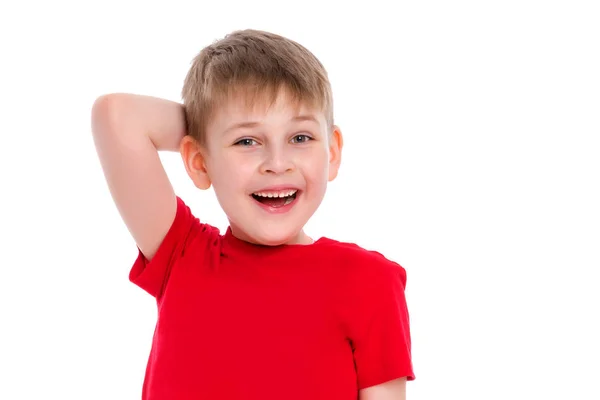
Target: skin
(391, 390)
(248, 150)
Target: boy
(263, 311)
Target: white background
(471, 158)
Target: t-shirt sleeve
(379, 329)
(152, 275)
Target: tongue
(273, 201)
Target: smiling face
(269, 167)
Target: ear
(336, 142)
(194, 160)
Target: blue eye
(301, 139)
(245, 142)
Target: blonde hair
(252, 65)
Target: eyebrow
(254, 124)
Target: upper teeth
(284, 193)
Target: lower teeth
(288, 200)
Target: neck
(301, 238)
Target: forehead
(263, 109)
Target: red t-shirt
(240, 321)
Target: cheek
(231, 173)
(316, 167)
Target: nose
(277, 161)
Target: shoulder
(194, 235)
(361, 264)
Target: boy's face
(269, 168)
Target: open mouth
(276, 199)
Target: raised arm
(128, 132)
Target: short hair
(252, 65)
